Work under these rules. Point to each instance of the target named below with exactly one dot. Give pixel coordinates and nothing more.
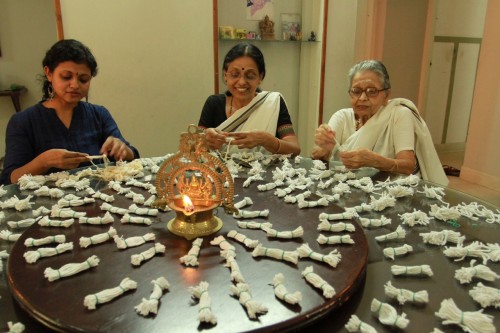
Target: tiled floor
(453, 155)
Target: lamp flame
(188, 204)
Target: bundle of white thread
(337, 239)
(98, 238)
(3, 255)
(282, 293)
(469, 321)
(30, 182)
(254, 225)
(391, 252)
(269, 186)
(42, 210)
(400, 191)
(137, 198)
(333, 258)
(29, 242)
(103, 196)
(310, 204)
(388, 315)
(9, 236)
(404, 295)
(434, 192)
(399, 233)
(485, 296)
(290, 256)
(106, 295)
(74, 202)
(191, 258)
(137, 259)
(375, 223)
(356, 325)
(243, 203)
(245, 214)
(63, 213)
(297, 198)
(254, 308)
(116, 186)
(45, 191)
(416, 217)
(282, 192)
(205, 313)
(47, 222)
(412, 270)
(223, 244)
(324, 225)
(252, 179)
(364, 207)
(347, 215)
(107, 218)
(150, 201)
(21, 224)
(318, 282)
(466, 274)
(329, 197)
(150, 305)
(24, 204)
(32, 256)
(297, 232)
(15, 327)
(442, 237)
(475, 249)
(127, 218)
(116, 210)
(250, 243)
(123, 243)
(142, 210)
(444, 213)
(493, 251)
(70, 269)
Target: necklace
(231, 107)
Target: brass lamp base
(194, 225)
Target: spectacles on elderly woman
(369, 92)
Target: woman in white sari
(244, 115)
(387, 134)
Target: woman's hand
(61, 159)
(117, 149)
(215, 138)
(251, 139)
(404, 162)
(356, 159)
(324, 139)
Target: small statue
(312, 38)
(266, 27)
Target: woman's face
(70, 81)
(367, 94)
(243, 78)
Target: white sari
(376, 135)
(261, 114)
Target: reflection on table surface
(442, 285)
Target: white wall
(156, 64)
(27, 30)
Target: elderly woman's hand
(324, 138)
(356, 159)
(117, 149)
(215, 138)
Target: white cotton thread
(246, 201)
(442, 237)
(124, 243)
(137, 198)
(103, 196)
(469, 321)
(375, 223)
(281, 292)
(385, 200)
(290, 256)
(286, 234)
(223, 244)
(337, 239)
(112, 209)
(231, 262)
(310, 204)
(466, 274)
(405, 295)
(250, 243)
(414, 218)
(127, 218)
(74, 202)
(297, 198)
(485, 296)
(356, 325)
(412, 270)
(47, 222)
(399, 233)
(252, 179)
(32, 257)
(205, 313)
(248, 214)
(318, 282)
(106, 219)
(400, 191)
(30, 242)
(98, 238)
(42, 210)
(15, 327)
(63, 213)
(324, 225)
(143, 210)
(106, 295)
(70, 269)
(3, 255)
(25, 223)
(191, 258)
(254, 225)
(137, 259)
(333, 258)
(444, 213)
(433, 192)
(253, 308)
(9, 236)
(148, 306)
(341, 188)
(388, 315)
(392, 252)
(475, 249)
(46, 191)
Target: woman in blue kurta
(61, 131)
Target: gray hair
(374, 66)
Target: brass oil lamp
(194, 183)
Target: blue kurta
(37, 129)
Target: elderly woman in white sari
(244, 116)
(387, 134)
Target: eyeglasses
(247, 76)
(369, 92)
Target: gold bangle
(279, 146)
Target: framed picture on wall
(290, 27)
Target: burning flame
(188, 204)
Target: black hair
(246, 49)
(67, 50)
